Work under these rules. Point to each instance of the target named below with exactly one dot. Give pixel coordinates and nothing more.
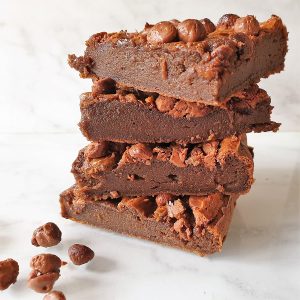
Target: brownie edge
(190, 229)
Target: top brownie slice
(193, 60)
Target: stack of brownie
(167, 119)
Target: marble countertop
(261, 256)
(39, 140)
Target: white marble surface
(261, 257)
(38, 116)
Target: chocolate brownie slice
(196, 224)
(127, 115)
(124, 170)
(188, 60)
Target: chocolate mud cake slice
(191, 223)
(193, 60)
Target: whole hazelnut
(163, 198)
(46, 263)
(248, 25)
(191, 30)
(9, 271)
(80, 254)
(47, 235)
(208, 25)
(140, 152)
(227, 21)
(162, 32)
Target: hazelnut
(248, 25)
(191, 30)
(55, 295)
(162, 32)
(45, 263)
(42, 283)
(9, 271)
(47, 235)
(140, 152)
(80, 254)
(227, 21)
(208, 25)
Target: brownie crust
(132, 116)
(144, 169)
(210, 70)
(197, 224)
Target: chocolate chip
(208, 25)
(80, 254)
(47, 235)
(9, 271)
(42, 283)
(97, 150)
(163, 198)
(140, 152)
(247, 25)
(45, 263)
(227, 21)
(103, 86)
(191, 30)
(55, 295)
(165, 104)
(162, 32)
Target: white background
(39, 110)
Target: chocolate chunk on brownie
(192, 223)
(191, 60)
(126, 170)
(131, 116)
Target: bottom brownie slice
(193, 223)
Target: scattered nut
(42, 283)
(55, 295)
(46, 263)
(208, 25)
(162, 32)
(47, 235)
(45, 272)
(191, 30)
(140, 152)
(80, 254)
(103, 86)
(97, 150)
(227, 21)
(9, 271)
(247, 25)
